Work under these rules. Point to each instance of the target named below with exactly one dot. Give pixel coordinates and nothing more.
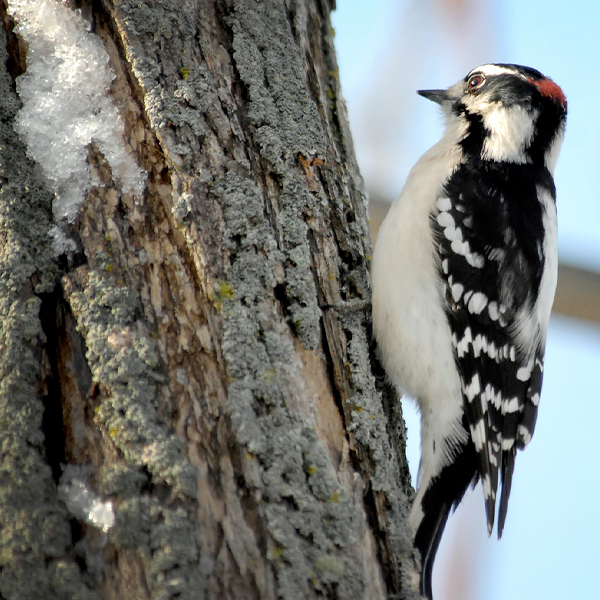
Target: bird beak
(437, 96)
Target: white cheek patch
(510, 132)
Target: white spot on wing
(524, 373)
(463, 346)
(511, 405)
(477, 303)
(445, 219)
(479, 344)
(458, 246)
(454, 234)
(458, 237)
(524, 434)
(474, 259)
(487, 486)
(478, 435)
(444, 204)
(492, 396)
(473, 388)
(449, 233)
(507, 443)
(457, 290)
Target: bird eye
(475, 81)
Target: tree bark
(201, 365)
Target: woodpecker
(464, 274)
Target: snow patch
(66, 104)
(82, 502)
(61, 243)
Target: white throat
(511, 131)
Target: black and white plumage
(464, 273)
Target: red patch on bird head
(549, 89)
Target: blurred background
(387, 49)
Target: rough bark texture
(205, 359)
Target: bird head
(506, 113)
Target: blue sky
(551, 541)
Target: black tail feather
(427, 541)
(508, 465)
(443, 493)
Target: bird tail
(432, 506)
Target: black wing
(489, 233)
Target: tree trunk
(187, 395)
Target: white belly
(409, 323)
